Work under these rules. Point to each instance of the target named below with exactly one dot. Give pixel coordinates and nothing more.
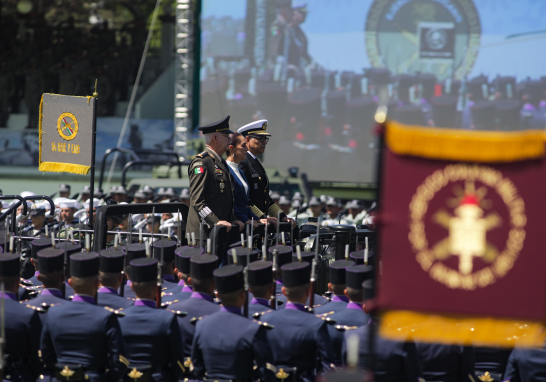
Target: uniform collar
(340, 298)
(214, 153)
(259, 301)
(83, 298)
(295, 306)
(145, 302)
(8, 295)
(105, 289)
(187, 288)
(201, 296)
(51, 292)
(181, 283)
(231, 309)
(354, 305)
(252, 155)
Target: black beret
(337, 271)
(111, 261)
(183, 257)
(9, 264)
(50, 260)
(37, 245)
(229, 278)
(135, 251)
(260, 273)
(84, 264)
(296, 274)
(357, 274)
(202, 266)
(144, 270)
(169, 246)
(242, 255)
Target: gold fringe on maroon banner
(464, 145)
(401, 325)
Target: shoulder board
(321, 315)
(164, 288)
(264, 324)
(202, 155)
(25, 282)
(259, 314)
(166, 304)
(130, 298)
(36, 308)
(343, 328)
(117, 312)
(163, 294)
(194, 320)
(34, 293)
(309, 310)
(329, 320)
(179, 313)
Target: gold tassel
(64, 167)
(465, 145)
(481, 331)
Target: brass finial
(95, 94)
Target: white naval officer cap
(67, 203)
(255, 128)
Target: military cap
(37, 245)
(169, 246)
(283, 201)
(84, 264)
(314, 201)
(297, 196)
(95, 203)
(221, 126)
(68, 203)
(86, 190)
(353, 204)
(356, 275)
(147, 189)
(143, 270)
(296, 204)
(135, 251)
(367, 290)
(296, 273)
(98, 193)
(241, 255)
(274, 195)
(183, 257)
(255, 128)
(305, 256)
(151, 219)
(64, 188)
(332, 202)
(111, 261)
(229, 278)
(37, 211)
(50, 260)
(260, 273)
(160, 191)
(358, 256)
(284, 254)
(9, 264)
(121, 190)
(202, 266)
(140, 195)
(69, 247)
(337, 270)
(170, 192)
(185, 193)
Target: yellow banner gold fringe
(480, 331)
(464, 145)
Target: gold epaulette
(25, 282)
(264, 324)
(117, 312)
(179, 313)
(39, 309)
(194, 320)
(259, 314)
(320, 315)
(343, 328)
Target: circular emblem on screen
(67, 126)
(436, 38)
(467, 226)
(409, 36)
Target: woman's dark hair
(234, 139)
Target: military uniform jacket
(526, 365)
(258, 184)
(152, 338)
(81, 333)
(23, 328)
(109, 297)
(352, 317)
(229, 354)
(448, 363)
(211, 192)
(47, 298)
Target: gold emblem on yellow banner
(67, 126)
(474, 215)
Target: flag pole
(93, 146)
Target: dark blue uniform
(445, 362)
(337, 304)
(152, 339)
(526, 365)
(177, 288)
(23, 328)
(82, 333)
(34, 279)
(349, 318)
(48, 297)
(394, 361)
(300, 340)
(128, 292)
(110, 298)
(258, 305)
(491, 360)
(198, 305)
(184, 293)
(229, 354)
(319, 300)
(169, 282)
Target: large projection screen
(316, 71)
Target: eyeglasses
(262, 139)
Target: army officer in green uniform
(211, 185)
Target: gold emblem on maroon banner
(467, 227)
